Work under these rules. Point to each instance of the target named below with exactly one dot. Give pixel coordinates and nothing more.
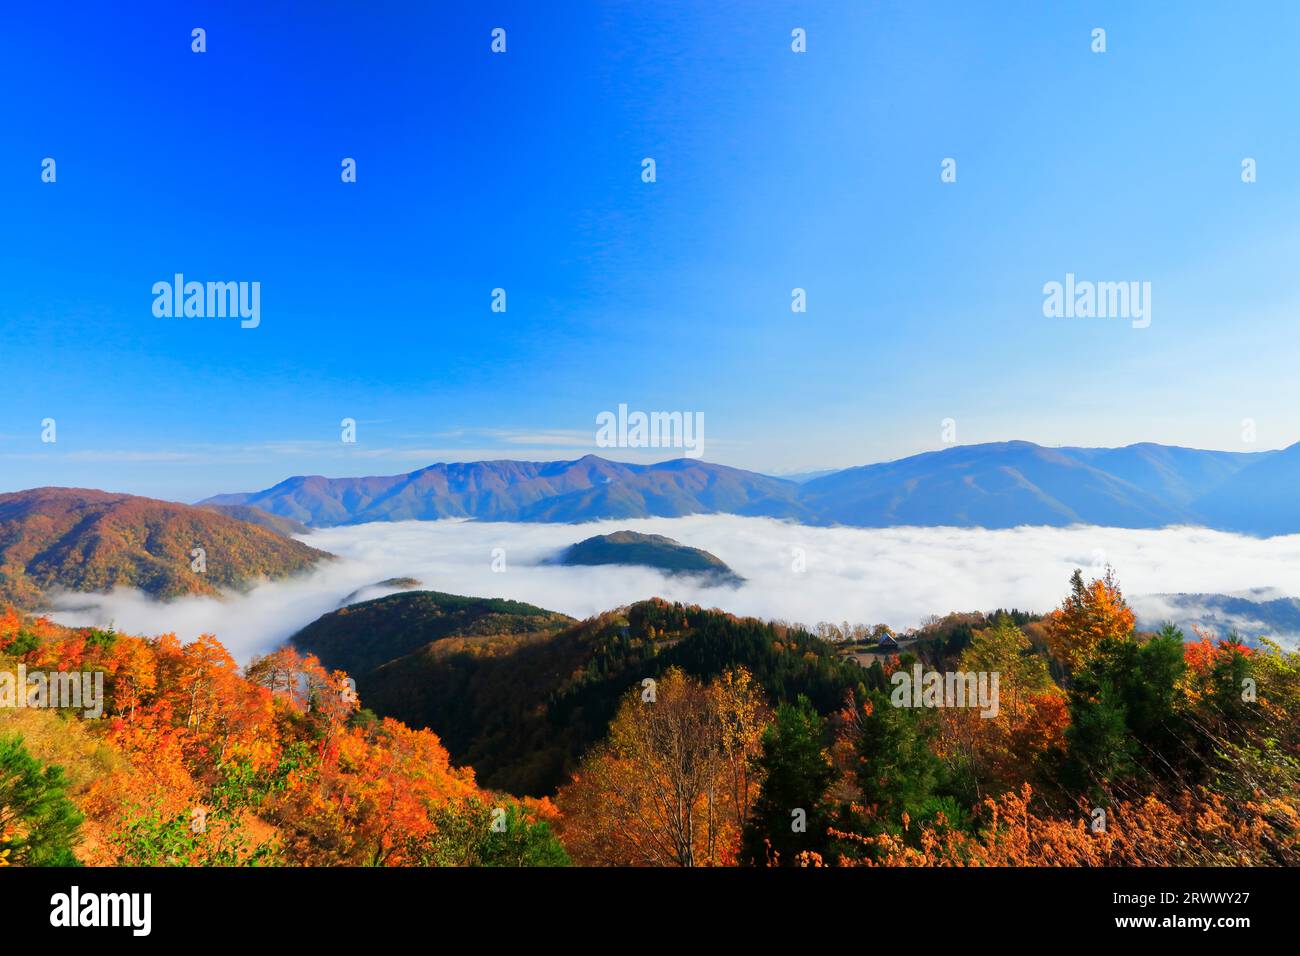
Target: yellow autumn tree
(672, 784)
(1089, 614)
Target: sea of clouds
(897, 576)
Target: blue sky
(523, 171)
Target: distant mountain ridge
(581, 490)
(1260, 612)
(1263, 499)
(1008, 484)
(995, 485)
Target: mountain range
(86, 540)
(995, 485)
(581, 490)
(1259, 611)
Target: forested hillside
(650, 551)
(678, 737)
(82, 540)
(360, 637)
(522, 709)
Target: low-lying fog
(898, 576)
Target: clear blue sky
(522, 171)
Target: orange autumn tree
(1207, 650)
(302, 684)
(672, 783)
(1088, 615)
(372, 796)
(130, 673)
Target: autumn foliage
(1089, 614)
(197, 762)
(1108, 747)
(673, 784)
